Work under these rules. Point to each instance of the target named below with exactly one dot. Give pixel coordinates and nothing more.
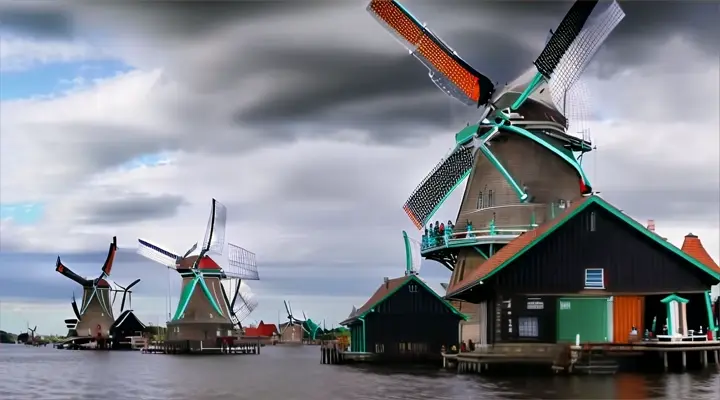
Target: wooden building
(291, 333)
(404, 319)
(127, 325)
(591, 271)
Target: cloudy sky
(312, 125)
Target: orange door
(628, 311)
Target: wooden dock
(333, 352)
(245, 345)
(591, 358)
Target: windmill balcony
(472, 237)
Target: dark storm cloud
(130, 208)
(337, 76)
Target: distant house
(262, 330)
(291, 333)
(404, 318)
(592, 271)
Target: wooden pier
(333, 352)
(237, 346)
(592, 358)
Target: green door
(585, 316)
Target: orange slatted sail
(460, 80)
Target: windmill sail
(241, 263)
(568, 69)
(448, 71)
(215, 233)
(437, 186)
(240, 299)
(157, 254)
(413, 257)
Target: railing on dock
(235, 346)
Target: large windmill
(94, 317)
(213, 299)
(523, 164)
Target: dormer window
(480, 201)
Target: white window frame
(602, 276)
(535, 323)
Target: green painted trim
(185, 298)
(209, 296)
(452, 189)
(482, 253)
(708, 307)
(496, 163)
(675, 297)
(617, 213)
(466, 134)
(492, 249)
(668, 321)
(362, 342)
(570, 160)
(534, 83)
(408, 253)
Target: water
(289, 373)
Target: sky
(312, 125)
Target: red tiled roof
(513, 248)
(264, 330)
(694, 248)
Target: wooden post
(684, 360)
(665, 360)
(704, 358)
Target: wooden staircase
(595, 362)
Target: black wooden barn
(592, 271)
(126, 325)
(404, 319)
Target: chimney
(386, 280)
(651, 225)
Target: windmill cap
(690, 235)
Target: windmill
(311, 327)
(520, 161)
(207, 305)
(125, 291)
(95, 315)
(31, 334)
(293, 330)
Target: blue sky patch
(146, 160)
(22, 213)
(52, 78)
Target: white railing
(448, 239)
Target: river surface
(287, 373)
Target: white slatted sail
(601, 22)
(215, 233)
(413, 257)
(157, 254)
(241, 263)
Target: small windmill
(296, 326)
(95, 315)
(207, 272)
(31, 333)
(125, 291)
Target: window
(528, 327)
(594, 278)
(491, 199)
(480, 201)
(592, 222)
(218, 333)
(413, 288)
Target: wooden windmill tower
(95, 315)
(523, 166)
(206, 312)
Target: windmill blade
(245, 302)
(413, 255)
(107, 265)
(448, 71)
(67, 272)
(135, 282)
(115, 292)
(157, 254)
(580, 52)
(304, 316)
(577, 105)
(75, 308)
(122, 303)
(242, 263)
(215, 233)
(190, 250)
(444, 285)
(437, 186)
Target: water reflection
(296, 373)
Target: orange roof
(514, 247)
(383, 290)
(694, 248)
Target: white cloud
(20, 53)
